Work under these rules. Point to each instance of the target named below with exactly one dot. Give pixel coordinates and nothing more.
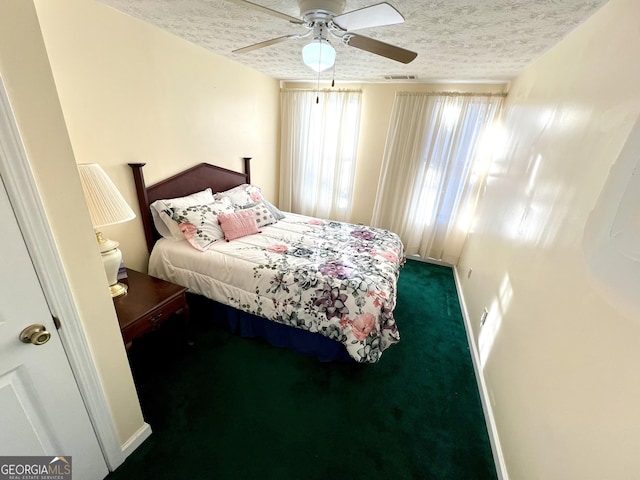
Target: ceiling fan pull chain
(333, 75)
(319, 63)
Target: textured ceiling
(456, 40)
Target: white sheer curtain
(318, 151)
(428, 187)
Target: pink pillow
(238, 224)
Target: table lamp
(106, 207)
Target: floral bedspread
(333, 278)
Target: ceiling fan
(324, 20)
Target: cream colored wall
(27, 76)
(559, 359)
(377, 105)
(133, 93)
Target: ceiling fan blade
(266, 43)
(380, 48)
(268, 11)
(373, 16)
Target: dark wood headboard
(192, 180)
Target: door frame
(27, 204)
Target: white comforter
(333, 278)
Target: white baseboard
(418, 258)
(136, 440)
(498, 457)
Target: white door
(41, 410)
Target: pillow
(199, 223)
(161, 212)
(242, 196)
(238, 224)
(274, 210)
(262, 214)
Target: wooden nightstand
(148, 303)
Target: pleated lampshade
(105, 202)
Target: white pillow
(199, 223)
(161, 212)
(241, 196)
(262, 214)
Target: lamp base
(111, 260)
(118, 289)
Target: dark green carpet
(235, 408)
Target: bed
(319, 287)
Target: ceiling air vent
(400, 77)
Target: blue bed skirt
(277, 334)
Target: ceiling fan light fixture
(319, 55)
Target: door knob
(36, 334)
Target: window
(428, 186)
(319, 150)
